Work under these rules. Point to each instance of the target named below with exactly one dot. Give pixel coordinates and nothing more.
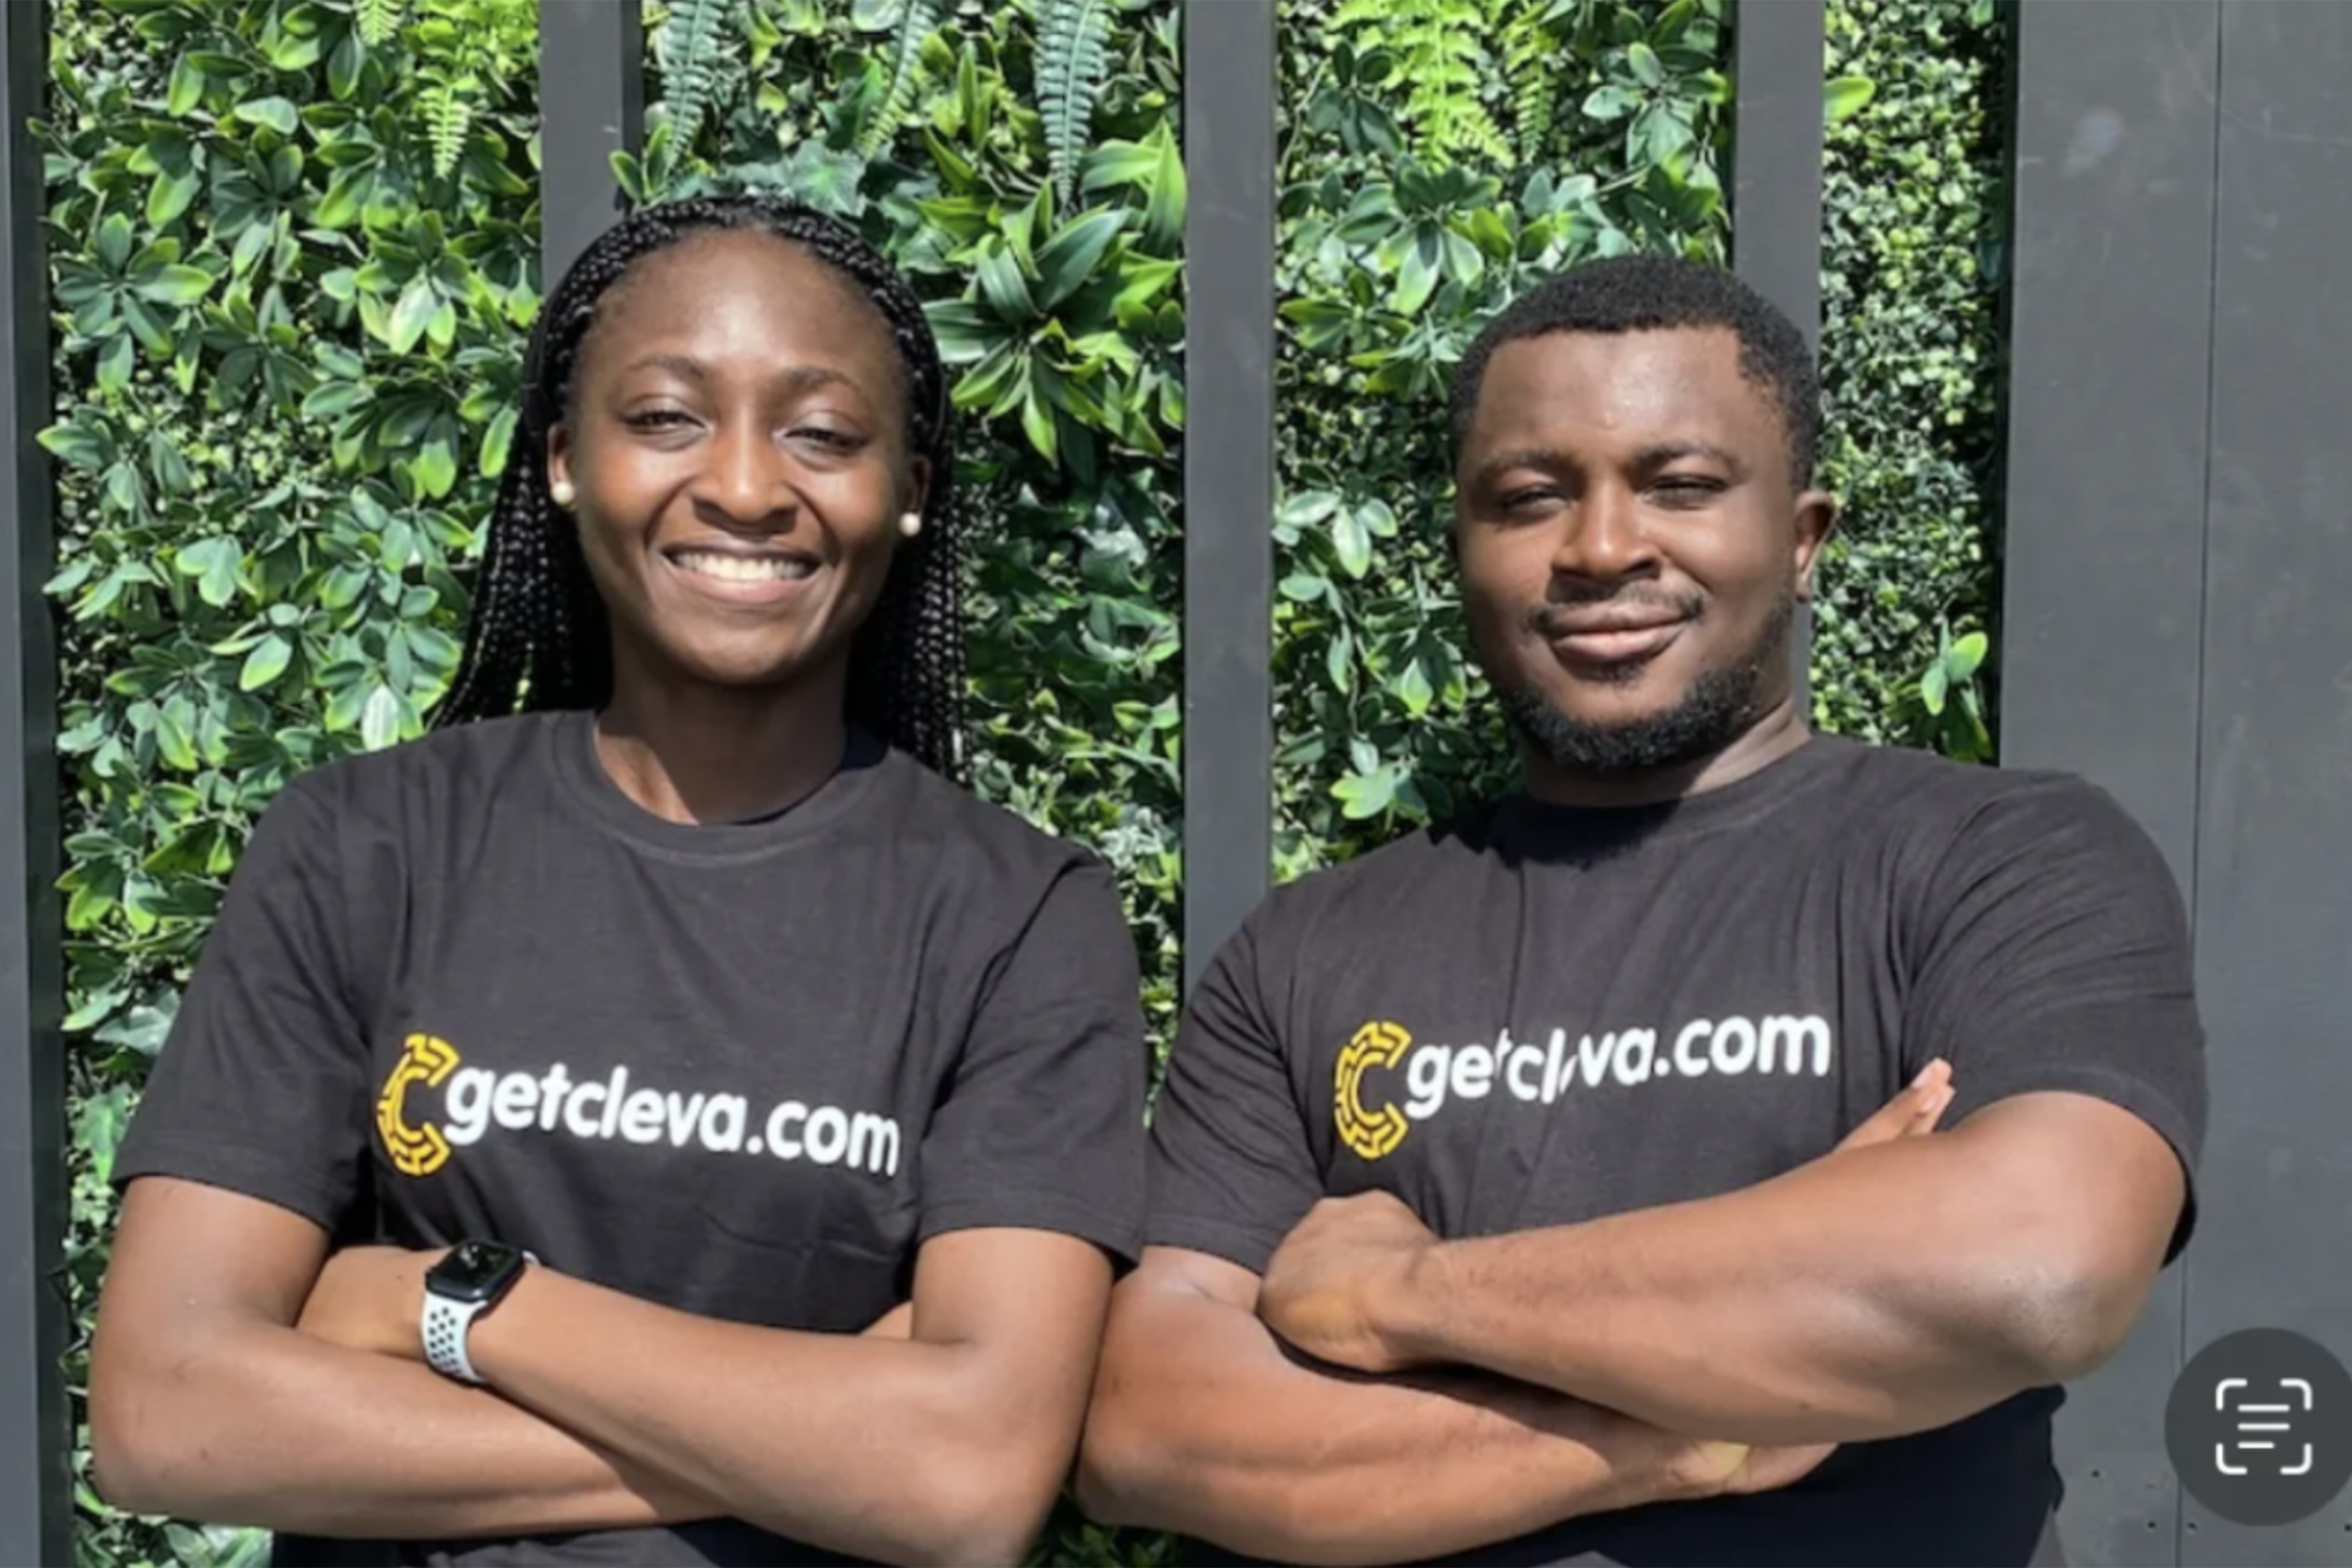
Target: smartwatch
(468, 1282)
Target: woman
(753, 1113)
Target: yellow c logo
(414, 1151)
(1373, 1134)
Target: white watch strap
(444, 1328)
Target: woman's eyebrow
(798, 378)
(683, 365)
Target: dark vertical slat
(2111, 297)
(2275, 806)
(35, 1429)
(1229, 86)
(1776, 183)
(591, 105)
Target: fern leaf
(691, 55)
(1530, 60)
(448, 115)
(379, 21)
(1073, 58)
(915, 28)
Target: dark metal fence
(2150, 587)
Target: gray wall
(2179, 629)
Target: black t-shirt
(1541, 1016)
(468, 988)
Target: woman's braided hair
(539, 637)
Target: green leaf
(115, 363)
(116, 238)
(1647, 69)
(171, 196)
(1037, 424)
(1413, 689)
(1417, 278)
(1163, 212)
(175, 285)
(1610, 103)
(1069, 260)
(265, 663)
(79, 445)
(1006, 292)
(1073, 60)
(1303, 588)
(1353, 541)
(1365, 795)
(1934, 686)
(186, 88)
(344, 66)
(964, 334)
(436, 468)
(380, 721)
(498, 442)
(415, 312)
(216, 564)
(1845, 97)
(172, 741)
(1116, 163)
(1967, 656)
(333, 399)
(277, 113)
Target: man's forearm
(1201, 1424)
(270, 1427)
(1879, 1292)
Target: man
(1516, 1190)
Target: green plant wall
(294, 253)
(1914, 252)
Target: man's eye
(1522, 500)
(831, 440)
(655, 419)
(1687, 491)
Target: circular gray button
(2260, 1427)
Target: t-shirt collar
(572, 743)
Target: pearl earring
(562, 493)
(911, 523)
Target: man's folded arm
(1870, 1294)
(1202, 1423)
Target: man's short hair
(1656, 293)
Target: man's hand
(1910, 1114)
(1323, 1285)
(371, 1298)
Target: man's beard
(1721, 705)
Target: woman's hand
(371, 1298)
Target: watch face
(473, 1271)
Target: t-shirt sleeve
(1231, 1167)
(262, 1084)
(2056, 956)
(1041, 1125)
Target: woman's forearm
(265, 1426)
(873, 1445)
